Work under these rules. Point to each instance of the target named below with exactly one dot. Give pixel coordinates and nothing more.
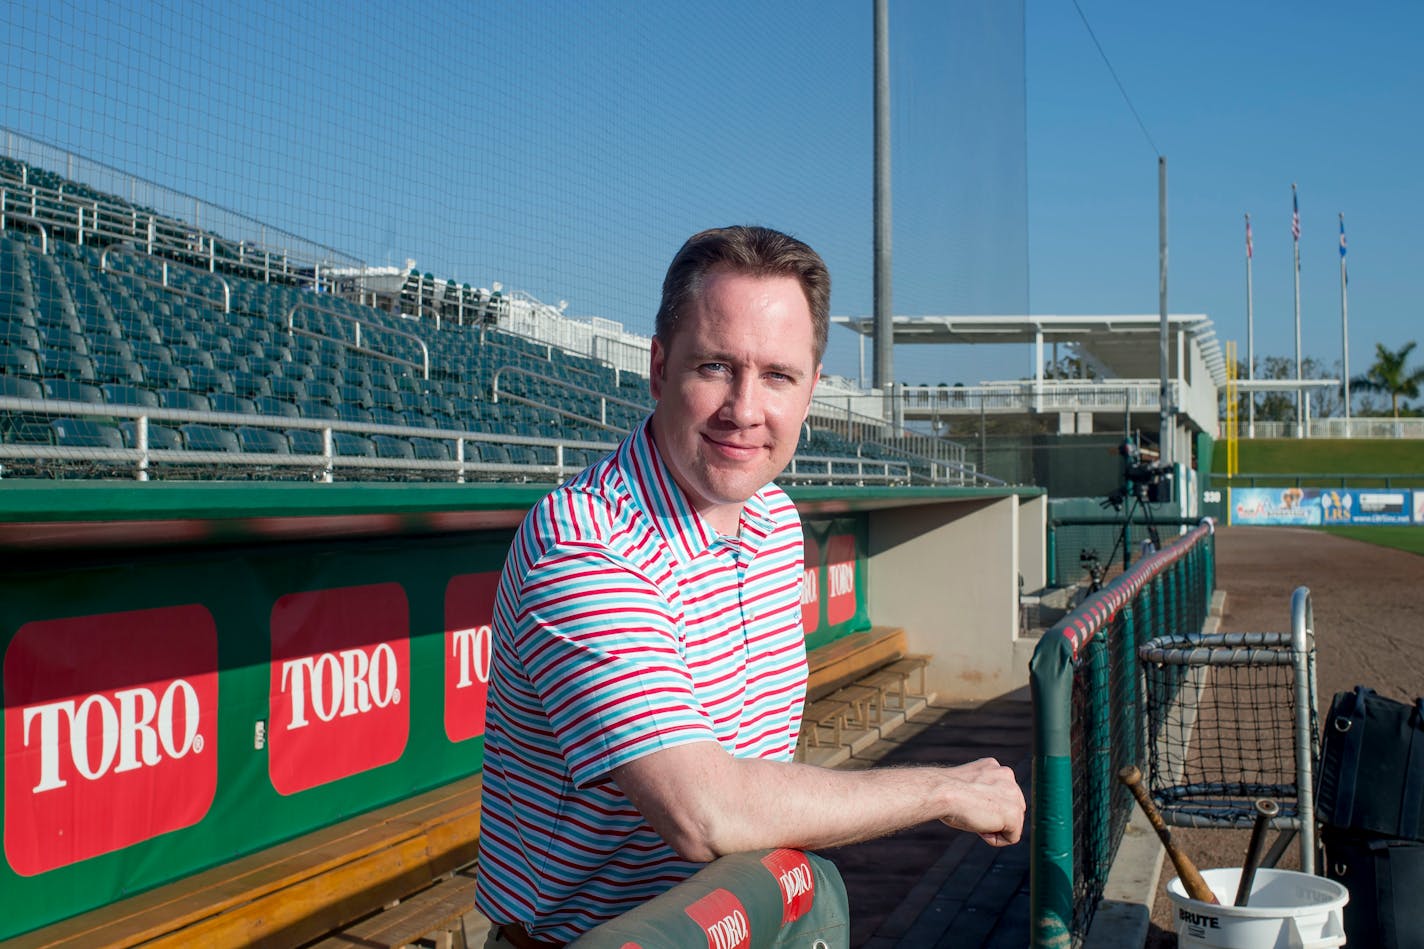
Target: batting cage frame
(1090, 719)
(1232, 718)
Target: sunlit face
(733, 387)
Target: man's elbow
(694, 839)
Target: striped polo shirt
(624, 624)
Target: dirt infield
(1367, 632)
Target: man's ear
(815, 381)
(657, 369)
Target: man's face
(733, 387)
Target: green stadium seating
(263, 440)
(159, 436)
(85, 433)
(183, 399)
(208, 438)
(120, 394)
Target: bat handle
(1265, 810)
(1196, 887)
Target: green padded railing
(1089, 722)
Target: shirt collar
(685, 530)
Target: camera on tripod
(1149, 481)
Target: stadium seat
(207, 379)
(388, 446)
(110, 367)
(190, 355)
(159, 436)
(163, 375)
(122, 394)
(269, 405)
(353, 413)
(323, 392)
(355, 446)
(18, 335)
(85, 433)
(208, 438)
(304, 441)
(356, 395)
(72, 391)
(229, 361)
(310, 408)
(183, 399)
(227, 402)
(382, 416)
(250, 385)
(428, 449)
(293, 390)
(15, 361)
(67, 364)
(263, 440)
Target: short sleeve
(601, 645)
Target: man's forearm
(706, 803)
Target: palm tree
(1388, 375)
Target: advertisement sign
(110, 732)
(340, 684)
(1323, 506)
(1419, 507)
(811, 587)
(469, 610)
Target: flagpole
(1345, 323)
(1250, 342)
(1300, 389)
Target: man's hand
(988, 802)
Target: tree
(1389, 375)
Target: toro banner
(833, 601)
(1321, 506)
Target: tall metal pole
(884, 377)
(1250, 341)
(1345, 323)
(1300, 389)
(1164, 437)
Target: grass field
(1273, 462)
(1401, 537)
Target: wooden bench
(849, 681)
(435, 914)
(297, 891)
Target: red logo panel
(110, 732)
(840, 577)
(340, 684)
(797, 881)
(811, 587)
(724, 920)
(469, 608)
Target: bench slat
(841, 662)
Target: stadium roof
(1126, 345)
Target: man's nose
(743, 403)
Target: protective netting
(1222, 726)
(563, 150)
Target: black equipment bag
(1371, 778)
(1386, 883)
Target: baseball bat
(1265, 810)
(1192, 880)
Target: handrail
(332, 311)
(34, 222)
(603, 397)
(131, 249)
(142, 456)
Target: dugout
(194, 672)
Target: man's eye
(713, 367)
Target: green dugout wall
(193, 672)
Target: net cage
(1231, 719)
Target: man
(649, 668)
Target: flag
(1344, 273)
(1342, 235)
(1248, 237)
(1295, 215)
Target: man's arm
(706, 803)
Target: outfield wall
(193, 672)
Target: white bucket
(1287, 910)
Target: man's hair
(755, 252)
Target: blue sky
(566, 148)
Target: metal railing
(1090, 720)
(603, 398)
(1049, 395)
(356, 344)
(163, 281)
(1355, 427)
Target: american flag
(1248, 237)
(1295, 215)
